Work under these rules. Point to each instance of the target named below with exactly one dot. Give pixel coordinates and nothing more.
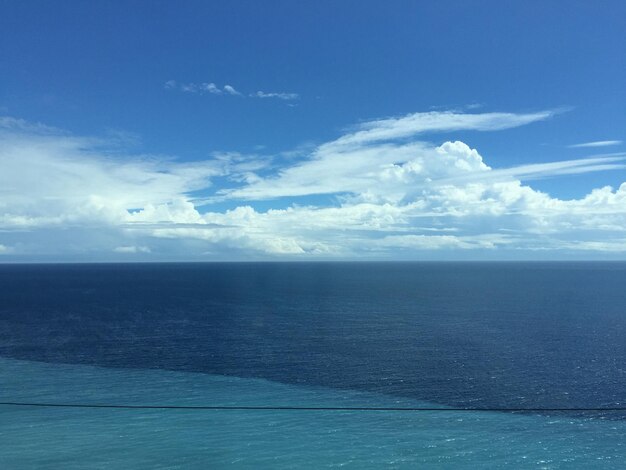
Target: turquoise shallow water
(53, 438)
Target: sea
(475, 364)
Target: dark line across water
(304, 408)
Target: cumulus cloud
(388, 194)
(375, 161)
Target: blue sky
(327, 130)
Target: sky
(301, 131)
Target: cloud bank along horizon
(385, 189)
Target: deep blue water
(480, 334)
(460, 334)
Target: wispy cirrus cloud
(419, 123)
(279, 95)
(534, 171)
(11, 124)
(201, 88)
(212, 88)
(597, 143)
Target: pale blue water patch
(52, 438)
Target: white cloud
(279, 95)
(62, 180)
(189, 88)
(200, 88)
(387, 194)
(419, 123)
(11, 124)
(438, 242)
(132, 249)
(212, 88)
(231, 90)
(598, 143)
(368, 162)
(546, 170)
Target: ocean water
(488, 335)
